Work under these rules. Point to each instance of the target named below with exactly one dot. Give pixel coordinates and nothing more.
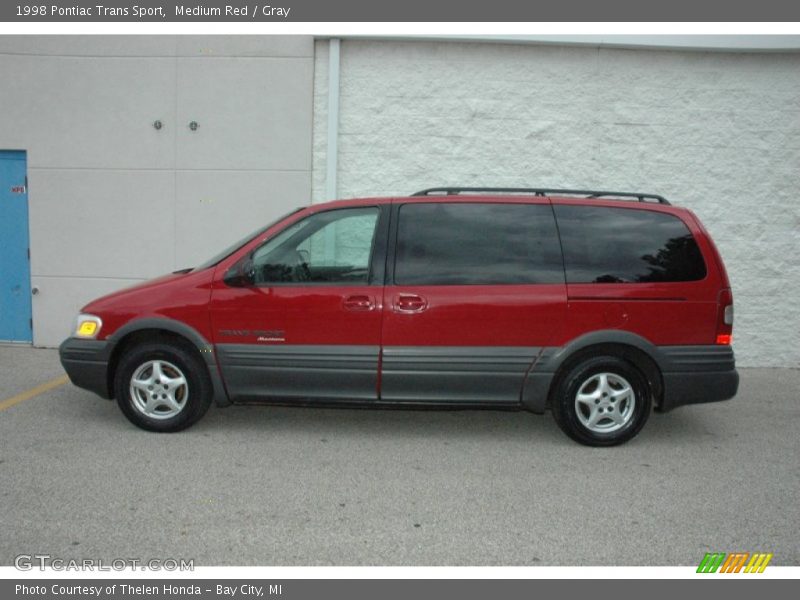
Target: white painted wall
(114, 201)
(716, 132)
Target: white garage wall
(716, 132)
(114, 201)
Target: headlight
(88, 326)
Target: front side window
(621, 245)
(477, 244)
(333, 247)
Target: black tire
(173, 359)
(587, 375)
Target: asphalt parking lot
(285, 486)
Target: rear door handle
(359, 302)
(409, 303)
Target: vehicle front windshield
(220, 256)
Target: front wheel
(602, 401)
(162, 387)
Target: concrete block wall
(112, 199)
(716, 132)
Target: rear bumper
(697, 388)
(86, 364)
(697, 374)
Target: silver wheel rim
(605, 402)
(159, 389)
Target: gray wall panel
(253, 113)
(245, 45)
(89, 45)
(103, 187)
(102, 223)
(158, 45)
(89, 112)
(216, 208)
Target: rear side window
(473, 244)
(619, 245)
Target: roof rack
(454, 191)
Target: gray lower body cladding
(89, 363)
(86, 364)
(408, 375)
(254, 372)
(697, 374)
(441, 374)
(481, 376)
(690, 375)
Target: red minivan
(599, 306)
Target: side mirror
(242, 273)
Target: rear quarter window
(620, 245)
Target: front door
(306, 321)
(475, 290)
(15, 274)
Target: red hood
(181, 296)
(131, 294)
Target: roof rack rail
(454, 191)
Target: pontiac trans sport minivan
(597, 306)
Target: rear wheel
(602, 401)
(162, 387)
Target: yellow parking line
(39, 389)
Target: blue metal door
(15, 272)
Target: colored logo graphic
(735, 562)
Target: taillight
(724, 317)
(727, 315)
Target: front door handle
(409, 303)
(359, 302)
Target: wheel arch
(170, 331)
(553, 363)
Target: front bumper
(698, 374)
(86, 364)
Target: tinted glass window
(328, 247)
(619, 245)
(461, 244)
